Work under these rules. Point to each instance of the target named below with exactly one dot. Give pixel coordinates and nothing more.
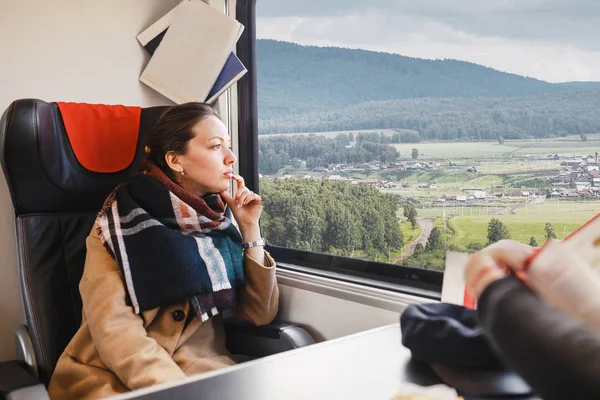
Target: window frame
(401, 279)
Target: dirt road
(426, 224)
(536, 200)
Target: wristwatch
(260, 242)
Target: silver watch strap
(260, 242)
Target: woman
(164, 259)
(547, 329)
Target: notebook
(190, 47)
(231, 72)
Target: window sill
(291, 270)
(390, 277)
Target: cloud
(547, 39)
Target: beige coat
(116, 350)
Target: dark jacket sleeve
(559, 357)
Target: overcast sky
(552, 40)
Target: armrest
(243, 338)
(25, 351)
(17, 382)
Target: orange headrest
(103, 137)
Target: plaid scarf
(172, 245)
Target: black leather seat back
(51, 255)
(55, 199)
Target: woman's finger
(252, 198)
(241, 186)
(240, 181)
(248, 196)
(241, 194)
(241, 200)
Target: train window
(391, 132)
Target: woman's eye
(216, 146)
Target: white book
(454, 286)
(149, 34)
(157, 28)
(192, 52)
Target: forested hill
(294, 79)
(537, 116)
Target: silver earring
(181, 170)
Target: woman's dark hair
(173, 131)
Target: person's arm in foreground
(558, 356)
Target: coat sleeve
(118, 333)
(258, 300)
(558, 356)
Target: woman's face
(208, 163)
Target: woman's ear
(174, 161)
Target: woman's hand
(246, 207)
(493, 263)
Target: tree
(418, 250)
(497, 231)
(533, 242)
(501, 139)
(336, 224)
(583, 136)
(410, 212)
(342, 139)
(339, 229)
(434, 242)
(413, 221)
(550, 234)
(415, 154)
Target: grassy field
(520, 166)
(565, 217)
(489, 150)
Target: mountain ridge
(297, 79)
